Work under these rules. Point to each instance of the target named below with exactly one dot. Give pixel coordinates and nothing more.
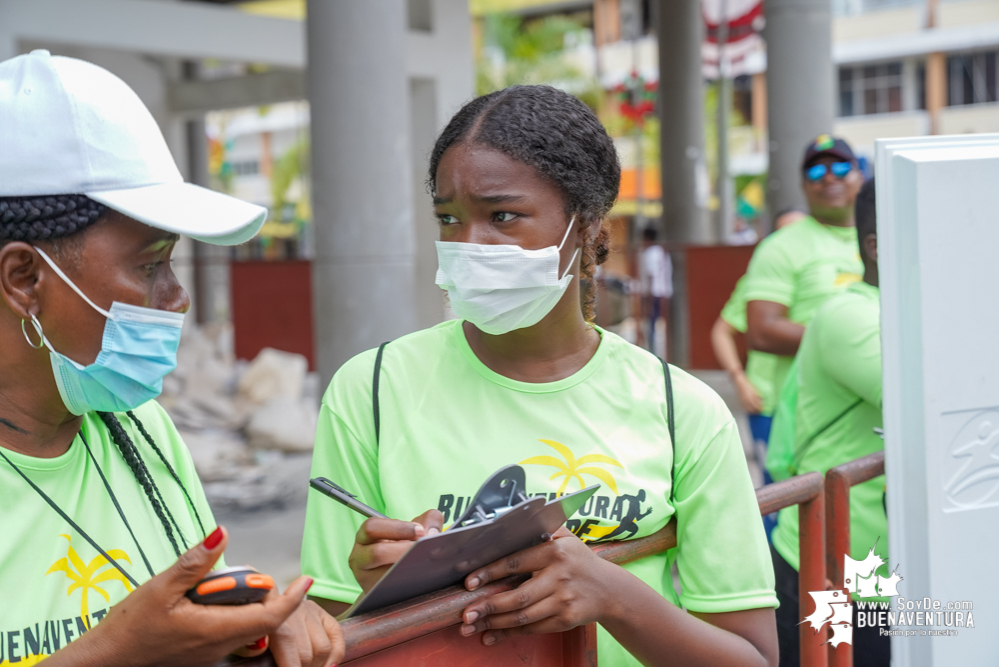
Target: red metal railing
(424, 630)
(807, 492)
(838, 483)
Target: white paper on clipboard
(500, 520)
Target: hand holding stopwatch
(232, 586)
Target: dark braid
(138, 468)
(173, 473)
(46, 218)
(563, 140)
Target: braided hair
(48, 218)
(562, 139)
(59, 218)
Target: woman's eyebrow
(487, 199)
(500, 199)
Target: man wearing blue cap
(795, 269)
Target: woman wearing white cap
(105, 524)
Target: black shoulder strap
(374, 390)
(670, 423)
(800, 454)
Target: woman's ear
(871, 247)
(19, 278)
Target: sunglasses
(818, 171)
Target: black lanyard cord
(72, 523)
(117, 506)
(173, 473)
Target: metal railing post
(838, 483)
(812, 576)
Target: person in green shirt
(753, 384)
(522, 181)
(105, 523)
(794, 270)
(838, 407)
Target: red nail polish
(258, 645)
(308, 586)
(213, 540)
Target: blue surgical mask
(138, 350)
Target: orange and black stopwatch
(232, 586)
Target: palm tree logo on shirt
(90, 577)
(569, 466)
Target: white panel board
(938, 237)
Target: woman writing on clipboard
(522, 180)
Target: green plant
(532, 52)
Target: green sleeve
(734, 310)
(347, 454)
(722, 553)
(771, 273)
(850, 344)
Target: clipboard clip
(499, 494)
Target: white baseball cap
(71, 127)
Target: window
(419, 15)
(246, 168)
(921, 86)
(870, 89)
(846, 91)
(971, 78)
(854, 7)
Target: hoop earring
(38, 329)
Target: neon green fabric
(55, 586)
(448, 422)
(759, 365)
(780, 459)
(839, 363)
(800, 267)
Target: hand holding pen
(380, 541)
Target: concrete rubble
(249, 425)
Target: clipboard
(500, 520)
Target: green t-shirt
(447, 422)
(800, 266)
(759, 365)
(55, 586)
(839, 365)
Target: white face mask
(500, 288)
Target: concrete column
(8, 42)
(936, 88)
(760, 103)
(210, 287)
(910, 85)
(606, 21)
(725, 186)
(429, 298)
(212, 279)
(8, 39)
(800, 90)
(362, 177)
(684, 176)
(681, 112)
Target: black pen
(344, 497)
